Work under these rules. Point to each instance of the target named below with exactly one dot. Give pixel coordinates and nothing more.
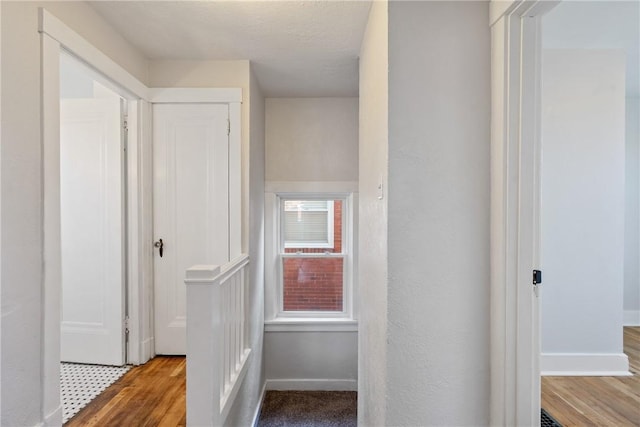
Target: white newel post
(204, 326)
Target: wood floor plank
(597, 401)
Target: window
(310, 261)
(311, 255)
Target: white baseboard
(256, 414)
(54, 418)
(584, 364)
(631, 318)
(313, 384)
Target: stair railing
(217, 339)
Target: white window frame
(344, 255)
(276, 319)
(318, 244)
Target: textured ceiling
(298, 48)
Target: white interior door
(92, 230)
(191, 208)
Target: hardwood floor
(153, 394)
(597, 401)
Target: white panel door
(191, 209)
(92, 229)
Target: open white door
(92, 230)
(191, 207)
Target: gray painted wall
(373, 154)
(428, 359)
(582, 201)
(248, 398)
(438, 290)
(310, 139)
(631, 298)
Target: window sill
(293, 324)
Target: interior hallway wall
(248, 398)
(312, 139)
(373, 159)
(631, 298)
(21, 194)
(424, 344)
(438, 228)
(1, 259)
(611, 25)
(582, 210)
(309, 140)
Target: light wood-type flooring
(597, 401)
(154, 395)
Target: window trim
(290, 320)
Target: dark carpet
(309, 408)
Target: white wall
(248, 398)
(311, 360)
(610, 25)
(312, 139)
(631, 296)
(21, 194)
(373, 159)
(1, 259)
(582, 213)
(424, 342)
(438, 227)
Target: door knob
(160, 245)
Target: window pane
(306, 227)
(312, 226)
(312, 284)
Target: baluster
(238, 311)
(225, 348)
(232, 344)
(235, 319)
(243, 304)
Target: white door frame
(515, 190)
(55, 35)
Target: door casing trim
(515, 205)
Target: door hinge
(537, 277)
(126, 325)
(228, 127)
(125, 123)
